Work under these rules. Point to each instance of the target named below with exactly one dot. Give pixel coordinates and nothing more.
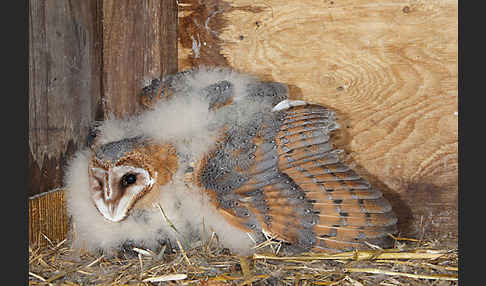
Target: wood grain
(139, 44)
(389, 69)
(47, 218)
(64, 85)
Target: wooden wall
(389, 69)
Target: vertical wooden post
(64, 84)
(139, 44)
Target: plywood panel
(389, 69)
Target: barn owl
(220, 151)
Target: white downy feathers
(186, 122)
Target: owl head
(126, 174)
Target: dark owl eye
(128, 179)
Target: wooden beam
(64, 85)
(139, 44)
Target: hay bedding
(410, 262)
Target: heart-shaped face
(122, 172)
(115, 190)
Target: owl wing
(219, 94)
(280, 175)
(160, 88)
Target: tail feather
(351, 232)
(352, 208)
(372, 219)
(308, 109)
(333, 245)
(343, 194)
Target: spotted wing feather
(280, 175)
(286, 180)
(349, 209)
